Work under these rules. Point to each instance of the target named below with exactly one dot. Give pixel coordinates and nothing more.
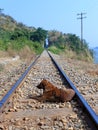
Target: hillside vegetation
(70, 45)
(17, 38)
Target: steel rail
(92, 115)
(18, 83)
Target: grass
(54, 50)
(68, 53)
(22, 47)
(37, 47)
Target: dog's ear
(41, 86)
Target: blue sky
(58, 15)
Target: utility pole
(81, 18)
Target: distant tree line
(68, 41)
(11, 31)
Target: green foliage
(69, 42)
(54, 49)
(4, 35)
(18, 33)
(39, 35)
(15, 36)
(74, 43)
(37, 47)
(3, 45)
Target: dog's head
(42, 84)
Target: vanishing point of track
(21, 112)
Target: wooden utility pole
(81, 18)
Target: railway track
(22, 112)
(9, 75)
(85, 83)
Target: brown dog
(52, 93)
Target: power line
(81, 18)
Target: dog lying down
(54, 94)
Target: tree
(74, 42)
(39, 35)
(18, 33)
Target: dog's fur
(52, 93)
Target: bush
(54, 49)
(37, 47)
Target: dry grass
(71, 54)
(93, 72)
(11, 52)
(26, 54)
(3, 54)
